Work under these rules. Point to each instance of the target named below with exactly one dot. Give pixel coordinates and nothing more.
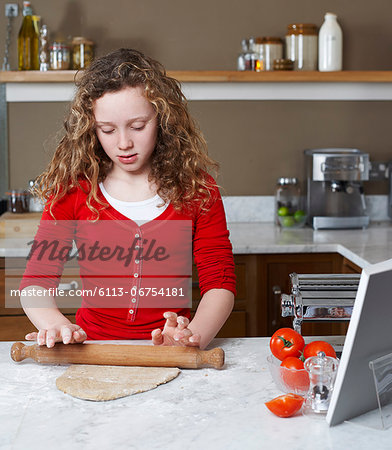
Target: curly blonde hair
(180, 160)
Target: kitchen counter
(361, 246)
(200, 409)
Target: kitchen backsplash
(261, 208)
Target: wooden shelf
(215, 76)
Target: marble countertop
(361, 246)
(200, 409)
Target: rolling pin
(120, 355)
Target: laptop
(369, 336)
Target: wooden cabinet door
(243, 321)
(277, 270)
(14, 324)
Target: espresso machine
(335, 197)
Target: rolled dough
(99, 383)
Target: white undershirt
(139, 212)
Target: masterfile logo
(104, 264)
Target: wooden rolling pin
(120, 355)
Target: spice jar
(273, 49)
(82, 52)
(60, 56)
(288, 203)
(301, 45)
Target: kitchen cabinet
(243, 321)
(275, 270)
(256, 312)
(14, 324)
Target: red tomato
(286, 342)
(318, 346)
(285, 405)
(295, 377)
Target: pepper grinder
(44, 49)
(322, 373)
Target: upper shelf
(216, 76)
(221, 85)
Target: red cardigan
(212, 253)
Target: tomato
(318, 346)
(286, 342)
(285, 405)
(296, 378)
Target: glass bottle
(253, 56)
(243, 60)
(28, 41)
(330, 45)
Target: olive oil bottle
(28, 40)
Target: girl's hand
(175, 332)
(68, 334)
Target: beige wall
(255, 142)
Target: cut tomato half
(285, 405)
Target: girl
(132, 152)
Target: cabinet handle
(277, 291)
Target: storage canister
(60, 57)
(301, 45)
(82, 52)
(17, 201)
(273, 49)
